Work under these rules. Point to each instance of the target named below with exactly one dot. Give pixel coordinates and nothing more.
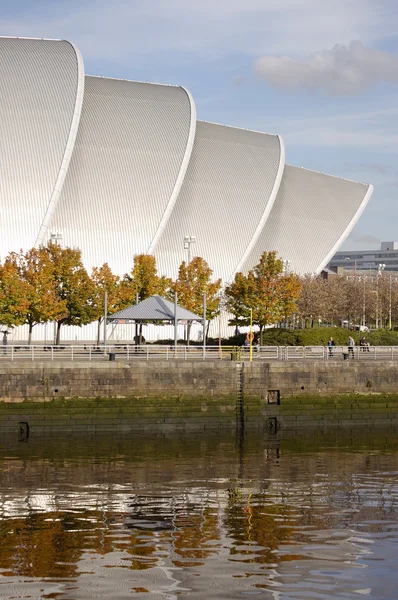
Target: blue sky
(322, 74)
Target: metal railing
(126, 352)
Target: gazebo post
(105, 317)
(204, 326)
(175, 323)
(136, 340)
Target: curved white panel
(39, 106)
(180, 178)
(312, 215)
(131, 152)
(70, 144)
(227, 191)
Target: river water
(201, 516)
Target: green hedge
(319, 336)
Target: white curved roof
(126, 170)
(131, 152)
(40, 103)
(229, 188)
(312, 215)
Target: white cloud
(342, 70)
(129, 32)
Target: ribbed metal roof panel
(39, 107)
(131, 152)
(228, 190)
(312, 215)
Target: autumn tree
(13, 295)
(36, 271)
(105, 281)
(266, 290)
(144, 282)
(73, 286)
(194, 280)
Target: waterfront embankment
(191, 395)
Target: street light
(390, 302)
(380, 269)
(56, 238)
(364, 302)
(188, 241)
(286, 266)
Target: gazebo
(157, 308)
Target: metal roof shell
(42, 84)
(228, 192)
(311, 217)
(131, 153)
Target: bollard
(112, 356)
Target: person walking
(330, 346)
(351, 344)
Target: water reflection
(204, 516)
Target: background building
(368, 260)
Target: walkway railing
(123, 352)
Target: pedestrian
(351, 345)
(330, 346)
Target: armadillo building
(120, 167)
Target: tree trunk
(140, 335)
(30, 333)
(99, 332)
(59, 324)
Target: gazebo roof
(155, 308)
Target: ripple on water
(168, 516)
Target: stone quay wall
(182, 395)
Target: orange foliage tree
(36, 271)
(73, 286)
(194, 280)
(105, 281)
(266, 290)
(13, 295)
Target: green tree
(194, 280)
(266, 290)
(73, 286)
(13, 294)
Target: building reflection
(249, 519)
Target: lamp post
(188, 241)
(55, 238)
(390, 305)
(390, 302)
(380, 269)
(286, 266)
